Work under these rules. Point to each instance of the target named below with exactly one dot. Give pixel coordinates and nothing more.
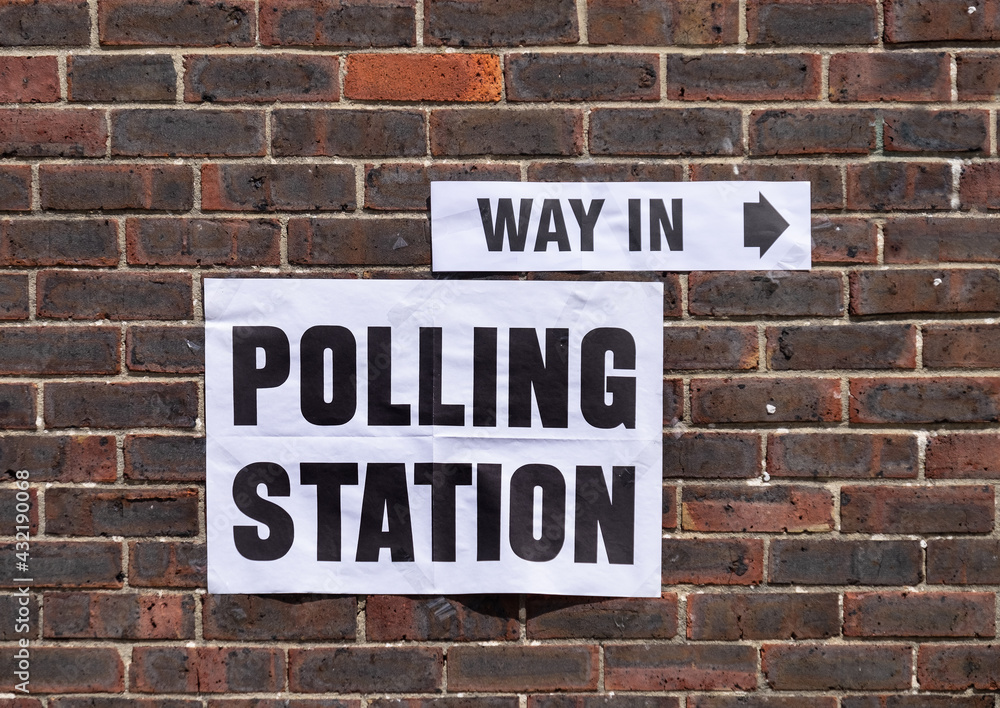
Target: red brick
(15, 188)
(978, 184)
(246, 78)
(189, 23)
(710, 348)
(49, 242)
(168, 132)
(284, 703)
(679, 667)
(582, 77)
(963, 561)
(392, 618)
(66, 564)
(165, 350)
(940, 21)
(945, 291)
(785, 294)
(702, 561)
(665, 131)
(928, 239)
(13, 296)
(482, 23)
(844, 667)
(711, 455)
(766, 700)
(274, 618)
(905, 186)
(604, 172)
(113, 187)
(743, 77)
(164, 458)
(349, 133)
(203, 242)
(349, 23)
(963, 456)
(771, 509)
(843, 240)
(366, 669)
(81, 615)
(552, 617)
(918, 130)
(673, 401)
(146, 512)
(121, 405)
(886, 509)
(359, 242)
(978, 76)
(407, 187)
(945, 399)
(811, 131)
(124, 77)
(955, 667)
(483, 131)
(44, 22)
(583, 700)
(9, 605)
(848, 346)
(834, 562)
(26, 351)
(826, 182)
(742, 616)
(509, 668)
(961, 346)
(669, 506)
(52, 132)
(919, 614)
(842, 456)
(29, 79)
(747, 400)
(122, 702)
(64, 294)
(423, 77)
(663, 22)
(284, 187)
(17, 406)
(921, 700)
(70, 669)
(919, 77)
(77, 458)
(785, 22)
(206, 670)
(174, 564)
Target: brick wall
(831, 442)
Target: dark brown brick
(711, 455)
(918, 130)
(359, 242)
(167, 132)
(766, 700)
(665, 131)
(17, 406)
(963, 561)
(919, 614)
(349, 133)
(811, 131)
(743, 77)
(945, 399)
(175, 564)
(742, 616)
(203, 242)
(669, 506)
(921, 700)
(604, 172)
(26, 351)
(13, 296)
(77, 458)
(955, 667)
(510, 668)
(29, 79)
(710, 348)
(906, 186)
(919, 77)
(165, 350)
(929, 239)
(940, 20)
(289, 703)
(391, 618)
(978, 184)
(483, 131)
(366, 669)
(836, 562)
(678, 667)
(582, 77)
(15, 188)
(751, 400)
(206, 670)
(818, 667)
(663, 22)
(164, 458)
(9, 605)
(978, 76)
(188, 23)
(124, 77)
(771, 509)
(583, 700)
(62, 23)
(284, 187)
(52, 132)
(81, 615)
(843, 240)
(849, 346)
(789, 22)
(552, 617)
(122, 702)
(826, 182)
(64, 565)
(785, 294)
(146, 512)
(350, 23)
(9, 503)
(961, 346)
(113, 187)
(71, 669)
(121, 405)
(701, 561)
(963, 456)
(49, 242)
(884, 509)
(64, 294)
(407, 187)
(274, 618)
(246, 78)
(842, 456)
(481, 23)
(945, 291)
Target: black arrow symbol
(762, 225)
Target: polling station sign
(433, 436)
(679, 226)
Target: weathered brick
(47, 22)
(509, 668)
(583, 700)
(849, 346)
(742, 616)
(15, 188)
(52, 132)
(961, 346)
(9, 507)
(482, 23)
(146, 512)
(825, 181)
(784, 22)
(71, 669)
(772, 509)
(17, 406)
(285, 187)
(924, 509)
(678, 667)
(955, 667)
(940, 20)
(286, 703)
(112, 187)
(604, 172)
(906, 186)
(29, 79)
(81, 615)
(349, 133)
(49, 242)
(26, 351)
(77, 458)
(701, 561)
(878, 292)
(929, 239)
(811, 131)
(963, 561)
(9, 605)
(273, 618)
(945, 399)
(743, 77)
(663, 22)
(919, 130)
(165, 350)
(64, 294)
(366, 669)
(391, 618)
(843, 240)
(710, 348)
(921, 700)
(665, 131)
(884, 76)
(64, 565)
(246, 78)
(203, 242)
(167, 132)
(669, 506)
(164, 458)
(835, 562)
(407, 187)
(710, 455)
(121, 404)
(13, 296)
(978, 184)
(761, 700)
(582, 77)
(673, 401)
(188, 23)
(919, 614)
(206, 670)
(842, 456)
(480, 131)
(356, 242)
(963, 456)
(349, 23)
(765, 400)
(175, 564)
(978, 76)
(124, 77)
(423, 77)
(817, 667)
(552, 617)
(121, 702)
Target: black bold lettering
(343, 403)
(522, 512)
(548, 377)
(247, 378)
(594, 385)
(443, 478)
(386, 498)
(281, 528)
(587, 220)
(658, 222)
(381, 411)
(551, 227)
(431, 410)
(488, 512)
(615, 514)
(328, 477)
(635, 224)
(494, 231)
(484, 377)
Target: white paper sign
(433, 436)
(539, 226)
